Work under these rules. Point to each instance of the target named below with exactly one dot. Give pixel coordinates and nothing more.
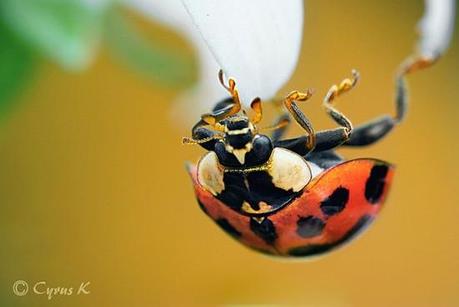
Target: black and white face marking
(239, 134)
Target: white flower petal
(168, 12)
(208, 91)
(257, 42)
(436, 27)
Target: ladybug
(291, 197)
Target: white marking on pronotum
(237, 132)
(210, 173)
(289, 170)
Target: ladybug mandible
(291, 197)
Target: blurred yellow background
(93, 186)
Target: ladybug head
(239, 131)
(229, 122)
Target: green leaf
(17, 64)
(150, 57)
(66, 31)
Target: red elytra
(333, 208)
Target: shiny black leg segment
(329, 139)
(199, 132)
(223, 105)
(298, 145)
(371, 132)
(325, 140)
(302, 120)
(401, 99)
(299, 116)
(376, 129)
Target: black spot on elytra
(228, 228)
(336, 202)
(374, 186)
(264, 230)
(309, 226)
(315, 249)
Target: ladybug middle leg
(329, 139)
(306, 143)
(326, 139)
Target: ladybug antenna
(190, 141)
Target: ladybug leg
(323, 140)
(223, 105)
(337, 90)
(297, 145)
(329, 139)
(300, 118)
(203, 136)
(257, 111)
(225, 108)
(371, 132)
(374, 130)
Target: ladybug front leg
(376, 129)
(203, 136)
(227, 107)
